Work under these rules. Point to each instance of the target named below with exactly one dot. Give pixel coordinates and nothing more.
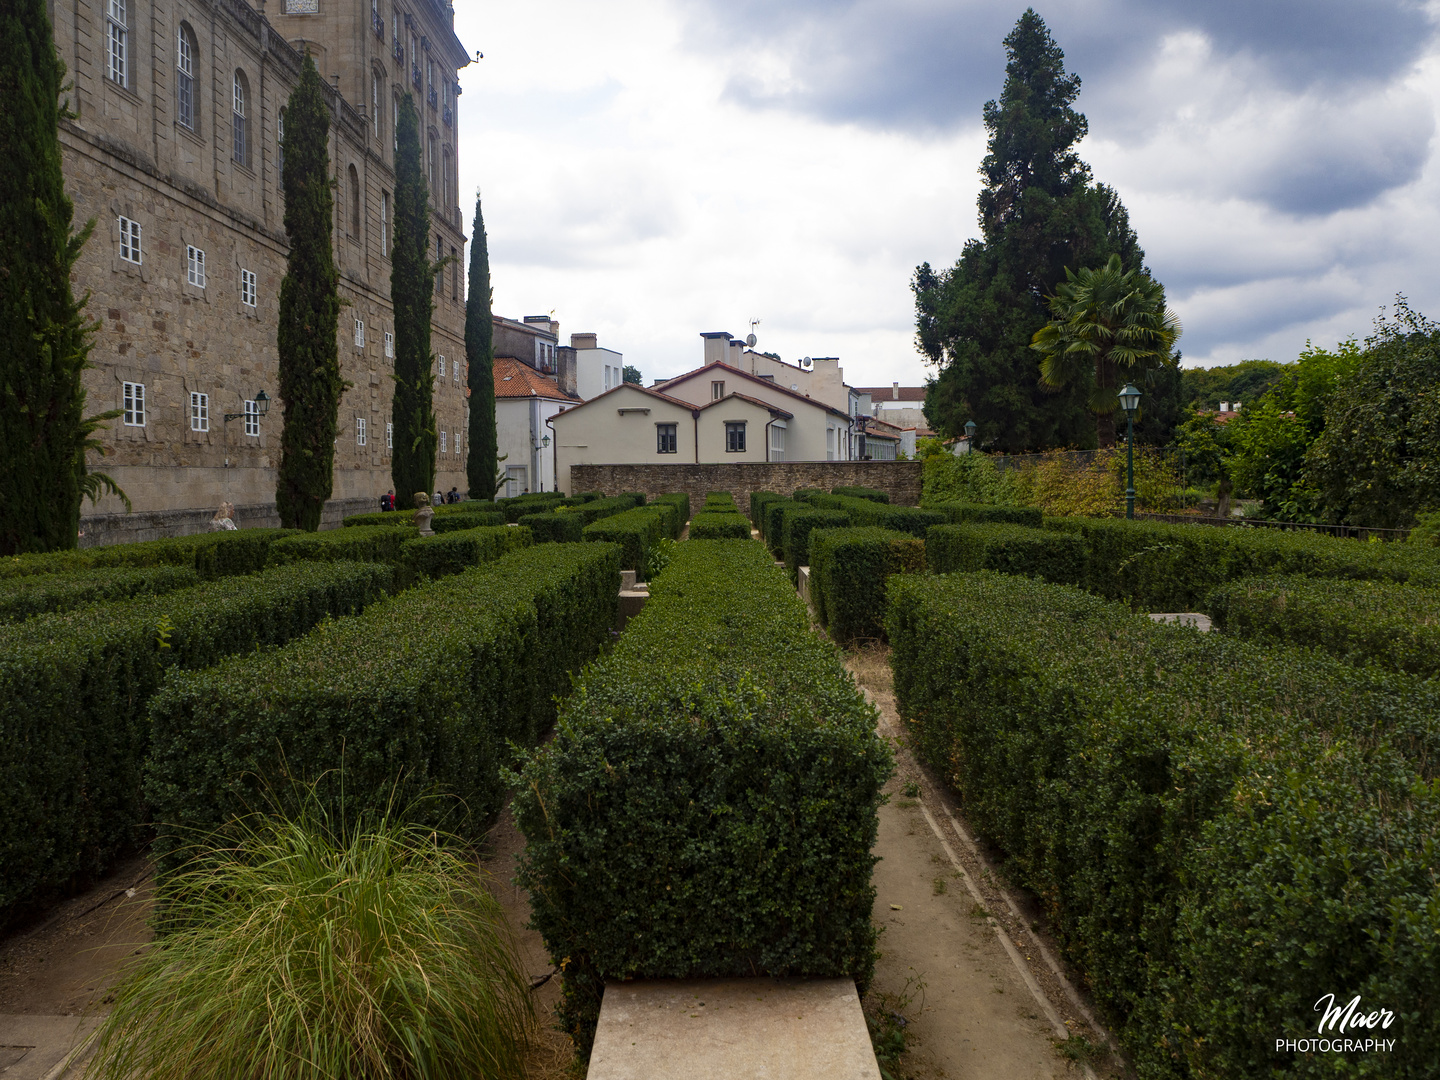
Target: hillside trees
(482, 461)
(412, 291)
(310, 383)
(44, 432)
(1040, 212)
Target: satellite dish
(807, 364)
(750, 340)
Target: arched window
(354, 203)
(431, 163)
(395, 123)
(186, 110)
(280, 145)
(445, 181)
(375, 102)
(238, 121)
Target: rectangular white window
(252, 418)
(359, 333)
(717, 391)
(389, 345)
(389, 436)
(442, 365)
(375, 96)
(829, 444)
(359, 431)
(384, 223)
(130, 240)
(117, 42)
(195, 266)
(443, 450)
(247, 288)
(665, 438)
(735, 437)
(199, 412)
(777, 442)
(134, 404)
(184, 80)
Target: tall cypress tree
(310, 383)
(1040, 212)
(482, 464)
(44, 432)
(412, 288)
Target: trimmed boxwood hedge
(681, 502)
(1364, 622)
(708, 804)
(443, 523)
(798, 527)
(450, 553)
(416, 696)
(380, 517)
(363, 543)
(1162, 567)
(212, 554)
(1011, 549)
(979, 514)
(595, 509)
(719, 525)
(848, 571)
(42, 593)
(1220, 832)
(719, 500)
(758, 501)
(555, 527)
(774, 512)
(635, 531)
(861, 492)
(75, 687)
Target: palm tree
(1109, 322)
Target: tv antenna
(750, 338)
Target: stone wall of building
(129, 153)
(101, 529)
(898, 479)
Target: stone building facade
(174, 151)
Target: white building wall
(600, 434)
(597, 370)
(520, 429)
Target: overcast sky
(652, 169)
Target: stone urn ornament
(423, 513)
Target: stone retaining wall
(898, 479)
(100, 529)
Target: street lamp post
(970, 429)
(1130, 401)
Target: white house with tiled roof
(525, 401)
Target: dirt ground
(971, 1011)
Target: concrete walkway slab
(38, 1047)
(1194, 619)
(735, 1029)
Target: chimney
(583, 341)
(565, 366)
(895, 391)
(1235, 405)
(715, 345)
(1224, 406)
(736, 353)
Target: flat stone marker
(1196, 619)
(732, 1029)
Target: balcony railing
(449, 117)
(415, 77)
(433, 97)
(378, 25)
(399, 52)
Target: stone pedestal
(422, 519)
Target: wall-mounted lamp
(262, 406)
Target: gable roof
(688, 406)
(775, 410)
(722, 366)
(889, 393)
(516, 380)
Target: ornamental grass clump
(302, 952)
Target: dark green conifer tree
(412, 291)
(310, 383)
(44, 432)
(482, 465)
(1040, 212)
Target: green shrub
(380, 517)
(858, 492)
(416, 696)
(75, 686)
(46, 562)
(867, 512)
(1011, 549)
(775, 512)
(37, 594)
(848, 572)
(592, 511)
(518, 506)
(363, 543)
(635, 531)
(758, 501)
(443, 523)
(707, 806)
(1364, 622)
(450, 553)
(798, 527)
(979, 514)
(638, 496)
(212, 554)
(555, 527)
(671, 523)
(681, 502)
(1220, 832)
(392, 952)
(710, 525)
(719, 498)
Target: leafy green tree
(412, 289)
(1111, 324)
(310, 383)
(482, 464)
(1377, 461)
(632, 375)
(44, 432)
(1040, 212)
(1247, 381)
